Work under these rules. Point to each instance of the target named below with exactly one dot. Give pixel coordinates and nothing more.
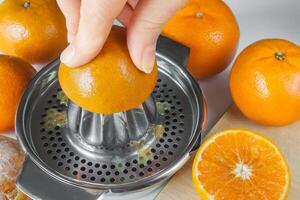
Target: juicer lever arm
(173, 50)
(38, 185)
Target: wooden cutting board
(287, 138)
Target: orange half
(240, 164)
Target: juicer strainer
(74, 154)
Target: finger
(144, 28)
(71, 11)
(132, 3)
(96, 18)
(125, 15)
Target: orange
(14, 77)
(238, 164)
(110, 83)
(265, 82)
(210, 30)
(32, 29)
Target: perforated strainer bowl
(57, 167)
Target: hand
(89, 23)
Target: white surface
(258, 19)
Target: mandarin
(110, 83)
(265, 82)
(15, 74)
(34, 30)
(210, 30)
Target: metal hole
(107, 173)
(91, 171)
(102, 180)
(54, 157)
(164, 159)
(166, 146)
(75, 165)
(89, 163)
(157, 145)
(69, 161)
(170, 140)
(112, 180)
(59, 163)
(99, 172)
(77, 157)
(155, 157)
(54, 145)
(75, 173)
(133, 169)
(175, 146)
(71, 153)
(92, 178)
(125, 171)
(141, 174)
(43, 137)
(97, 165)
(67, 149)
(149, 169)
(117, 173)
(178, 139)
(131, 177)
(135, 161)
(161, 140)
(161, 152)
(83, 176)
(83, 161)
(50, 132)
(67, 168)
(82, 168)
(49, 151)
(46, 144)
(104, 166)
(157, 165)
(122, 179)
(63, 156)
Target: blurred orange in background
(34, 30)
(210, 30)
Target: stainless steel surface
(112, 131)
(140, 163)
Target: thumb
(144, 28)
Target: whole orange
(34, 30)
(210, 30)
(110, 83)
(14, 77)
(265, 82)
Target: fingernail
(67, 55)
(148, 59)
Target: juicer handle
(174, 50)
(38, 185)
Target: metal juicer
(75, 154)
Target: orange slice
(240, 164)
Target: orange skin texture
(266, 89)
(37, 33)
(110, 83)
(210, 30)
(15, 74)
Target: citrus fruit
(34, 30)
(210, 30)
(14, 77)
(265, 82)
(239, 164)
(110, 83)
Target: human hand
(89, 23)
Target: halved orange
(239, 164)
